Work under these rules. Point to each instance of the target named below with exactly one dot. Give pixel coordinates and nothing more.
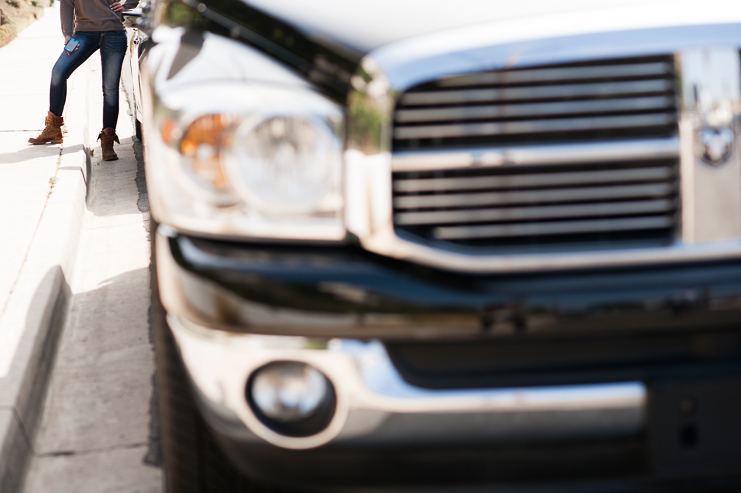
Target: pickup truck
(433, 245)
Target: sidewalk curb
(39, 303)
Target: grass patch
(52, 182)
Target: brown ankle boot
(106, 138)
(52, 132)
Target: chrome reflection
(457, 64)
(711, 107)
(370, 391)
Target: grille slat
(535, 196)
(602, 89)
(529, 109)
(532, 180)
(531, 213)
(558, 158)
(533, 127)
(559, 74)
(555, 228)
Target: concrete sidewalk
(42, 205)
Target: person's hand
(117, 7)
(66, 40)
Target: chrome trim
(370, 391)
(384, 241)
(592, 34)
(599, 34)
(135, 12)
(711, 97)
(600, 152)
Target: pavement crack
(82, 453)
(22, 428)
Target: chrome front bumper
(375, 406)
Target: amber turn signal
(202, 144)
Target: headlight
(247, 161)
(284, 165)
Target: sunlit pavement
(85, 261)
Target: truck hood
(326, 40)
(363, 26)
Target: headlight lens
(285, 165)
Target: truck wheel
(193, 462)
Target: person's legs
(112, 52)
(66, 64)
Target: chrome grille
(633, 98)
(541, 208)
(572, 157)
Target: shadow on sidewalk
(30, 152)
(101, 396)
(115, 187)
(31, 372)
(33, 152)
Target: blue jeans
(112, 45)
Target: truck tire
(193, 462)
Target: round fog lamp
(291, 398)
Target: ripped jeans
(112, 45)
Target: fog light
(291, 398)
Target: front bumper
(234, 308)
(376, 407)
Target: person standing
(94, 25)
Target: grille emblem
(714, 145)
